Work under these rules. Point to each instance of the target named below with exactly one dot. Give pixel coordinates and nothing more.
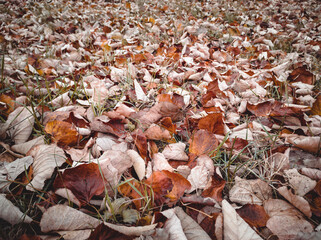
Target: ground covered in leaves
(160, 119)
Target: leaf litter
(160, 119)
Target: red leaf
(103, 232)
(85, 181)
(254, 215)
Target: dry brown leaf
(297, 201)
(250, 191)
(235, 228)
(202, 142)
(155, 132)
(46, 159)
(85, 181)
(285, 221)
(11, 213)
(300, 183)
(61, 217)
(215, 189)
(316, 108)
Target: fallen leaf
(254, 215)
(104, 232)
(202, 142)
(61, 217)
(155, 132)
(213, 123)
(181, 226)
(84, 181)
(235, 228)
(45, 159)
(63, 133)
(160, 163)
(10, 171)
(175, 151)
(285, 221)
(215, 190)
(19, 124)
(140, 141)
(167, 186)
(11, 213)
(138, 163)
(300, 183)
(309, 144)
(297, 201)
(198, 177)
(250, 191)
(316, 107)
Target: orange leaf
(168, 185)
(213, 123)
(127, 190)
(202, 142)
(254, 215)
(63, 133)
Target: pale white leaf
(173, 225)
(138, 163)
(297, 201)
(11, 213)
(140, 94)
(74, 235)
(19, 124)
(133, 231)
(175, 151)
(46, 159)
(300, 183)
(23, 148)
(61, 217)
(250, 191)
(160, 163)
(198, 178)
(10, 171)
(235, 228)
